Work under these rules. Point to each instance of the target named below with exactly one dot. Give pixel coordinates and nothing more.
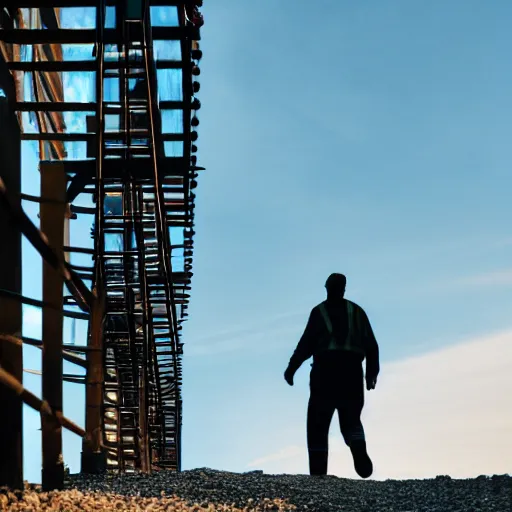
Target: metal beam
(116, 167)
(171, 105)
(80, 36)
(75, 3)
(53, 186)
(81, 65)
(69, 137)
(54, 106)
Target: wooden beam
(145, 460)
(53, 187)
(93, 457)
(25, 396)
(72, 358)
(11, 356)
(18, 216)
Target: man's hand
(288, 376)
(371, 382)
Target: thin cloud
(249, 328)
(496, 278)
(285, 453)
(243, 337)
(266, 338)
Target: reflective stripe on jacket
(355, 338)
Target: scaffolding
(107, 91)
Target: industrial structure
(102, 96)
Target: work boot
(318, 462)
(362, 462)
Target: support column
(94, 458)
(53, 189)
(145, 465)
(11, 355)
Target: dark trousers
(348, 400)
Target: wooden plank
(53, 187)
(11, 355)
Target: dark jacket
(333, 368)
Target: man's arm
(304, 349)
(372, 352)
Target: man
(339, 337)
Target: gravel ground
(209, 490)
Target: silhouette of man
(339, 337)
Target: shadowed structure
(106, 89)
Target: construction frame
(106, 91)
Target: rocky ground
(209, 490)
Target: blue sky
(370, 139)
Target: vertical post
(11, 355)
(143, 425)
(93, 457)
(53, 210)
(67, 232)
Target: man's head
(335, 285)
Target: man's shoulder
(324, 302)
(316, 311)
(319, 306)
(355, 306)
(316, 308)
